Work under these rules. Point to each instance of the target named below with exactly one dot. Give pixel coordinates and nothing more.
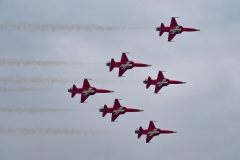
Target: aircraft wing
(151, 125)
(148, 139)
(86, 84)
(171, 36)
(124, 58)
(116, 104)
(160, 75)
(157, 88)
(114, 116)
(121, 71)
(173, 22)
(84, 97)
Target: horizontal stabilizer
(148, 82)
(74, 88)
(140, 132)
(161, 29)
(112, 65)
(104, 110)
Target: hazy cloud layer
(42, 57)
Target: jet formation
(124, 64)
(160, 82)
(86, 90)
(173, 29)
(117, 110)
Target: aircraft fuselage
(176, 29)
(127, 65)
(162, 82)
(154, 132)
(89, 91)
(121, 110)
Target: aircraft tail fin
(140, 132)
(74, 88)
(112, 65)
(148, 82)
(161, 29)
(104, 110)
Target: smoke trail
(16, 62)
(38, 80)
(61, 27)
(55, 80)
(23, 89)
(41, 110)
(39, 131)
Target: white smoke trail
(39, 131)
(24, 89)
(61, 27)
(22, 80)
(38, 80)
(41, 110)
(17, 62)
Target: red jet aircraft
(86, 90)
(117, 110)
(160, 82)
(173, 29)
(124, 64)
(151, 131)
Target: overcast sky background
(204, 111)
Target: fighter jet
(160, 82)
(124, 64)
(116, 110)
(86, 90)
(173, 29)
(151, 131)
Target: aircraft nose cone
(174, 131)
(184, 82)
(197, 29)
(141, 110)
(111, 91)
(149, 65)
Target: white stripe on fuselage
(86, 92)
(174, 30)
(124, 66)
(164, 81)
(117, 111)
(151, 133)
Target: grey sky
(204, 111)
